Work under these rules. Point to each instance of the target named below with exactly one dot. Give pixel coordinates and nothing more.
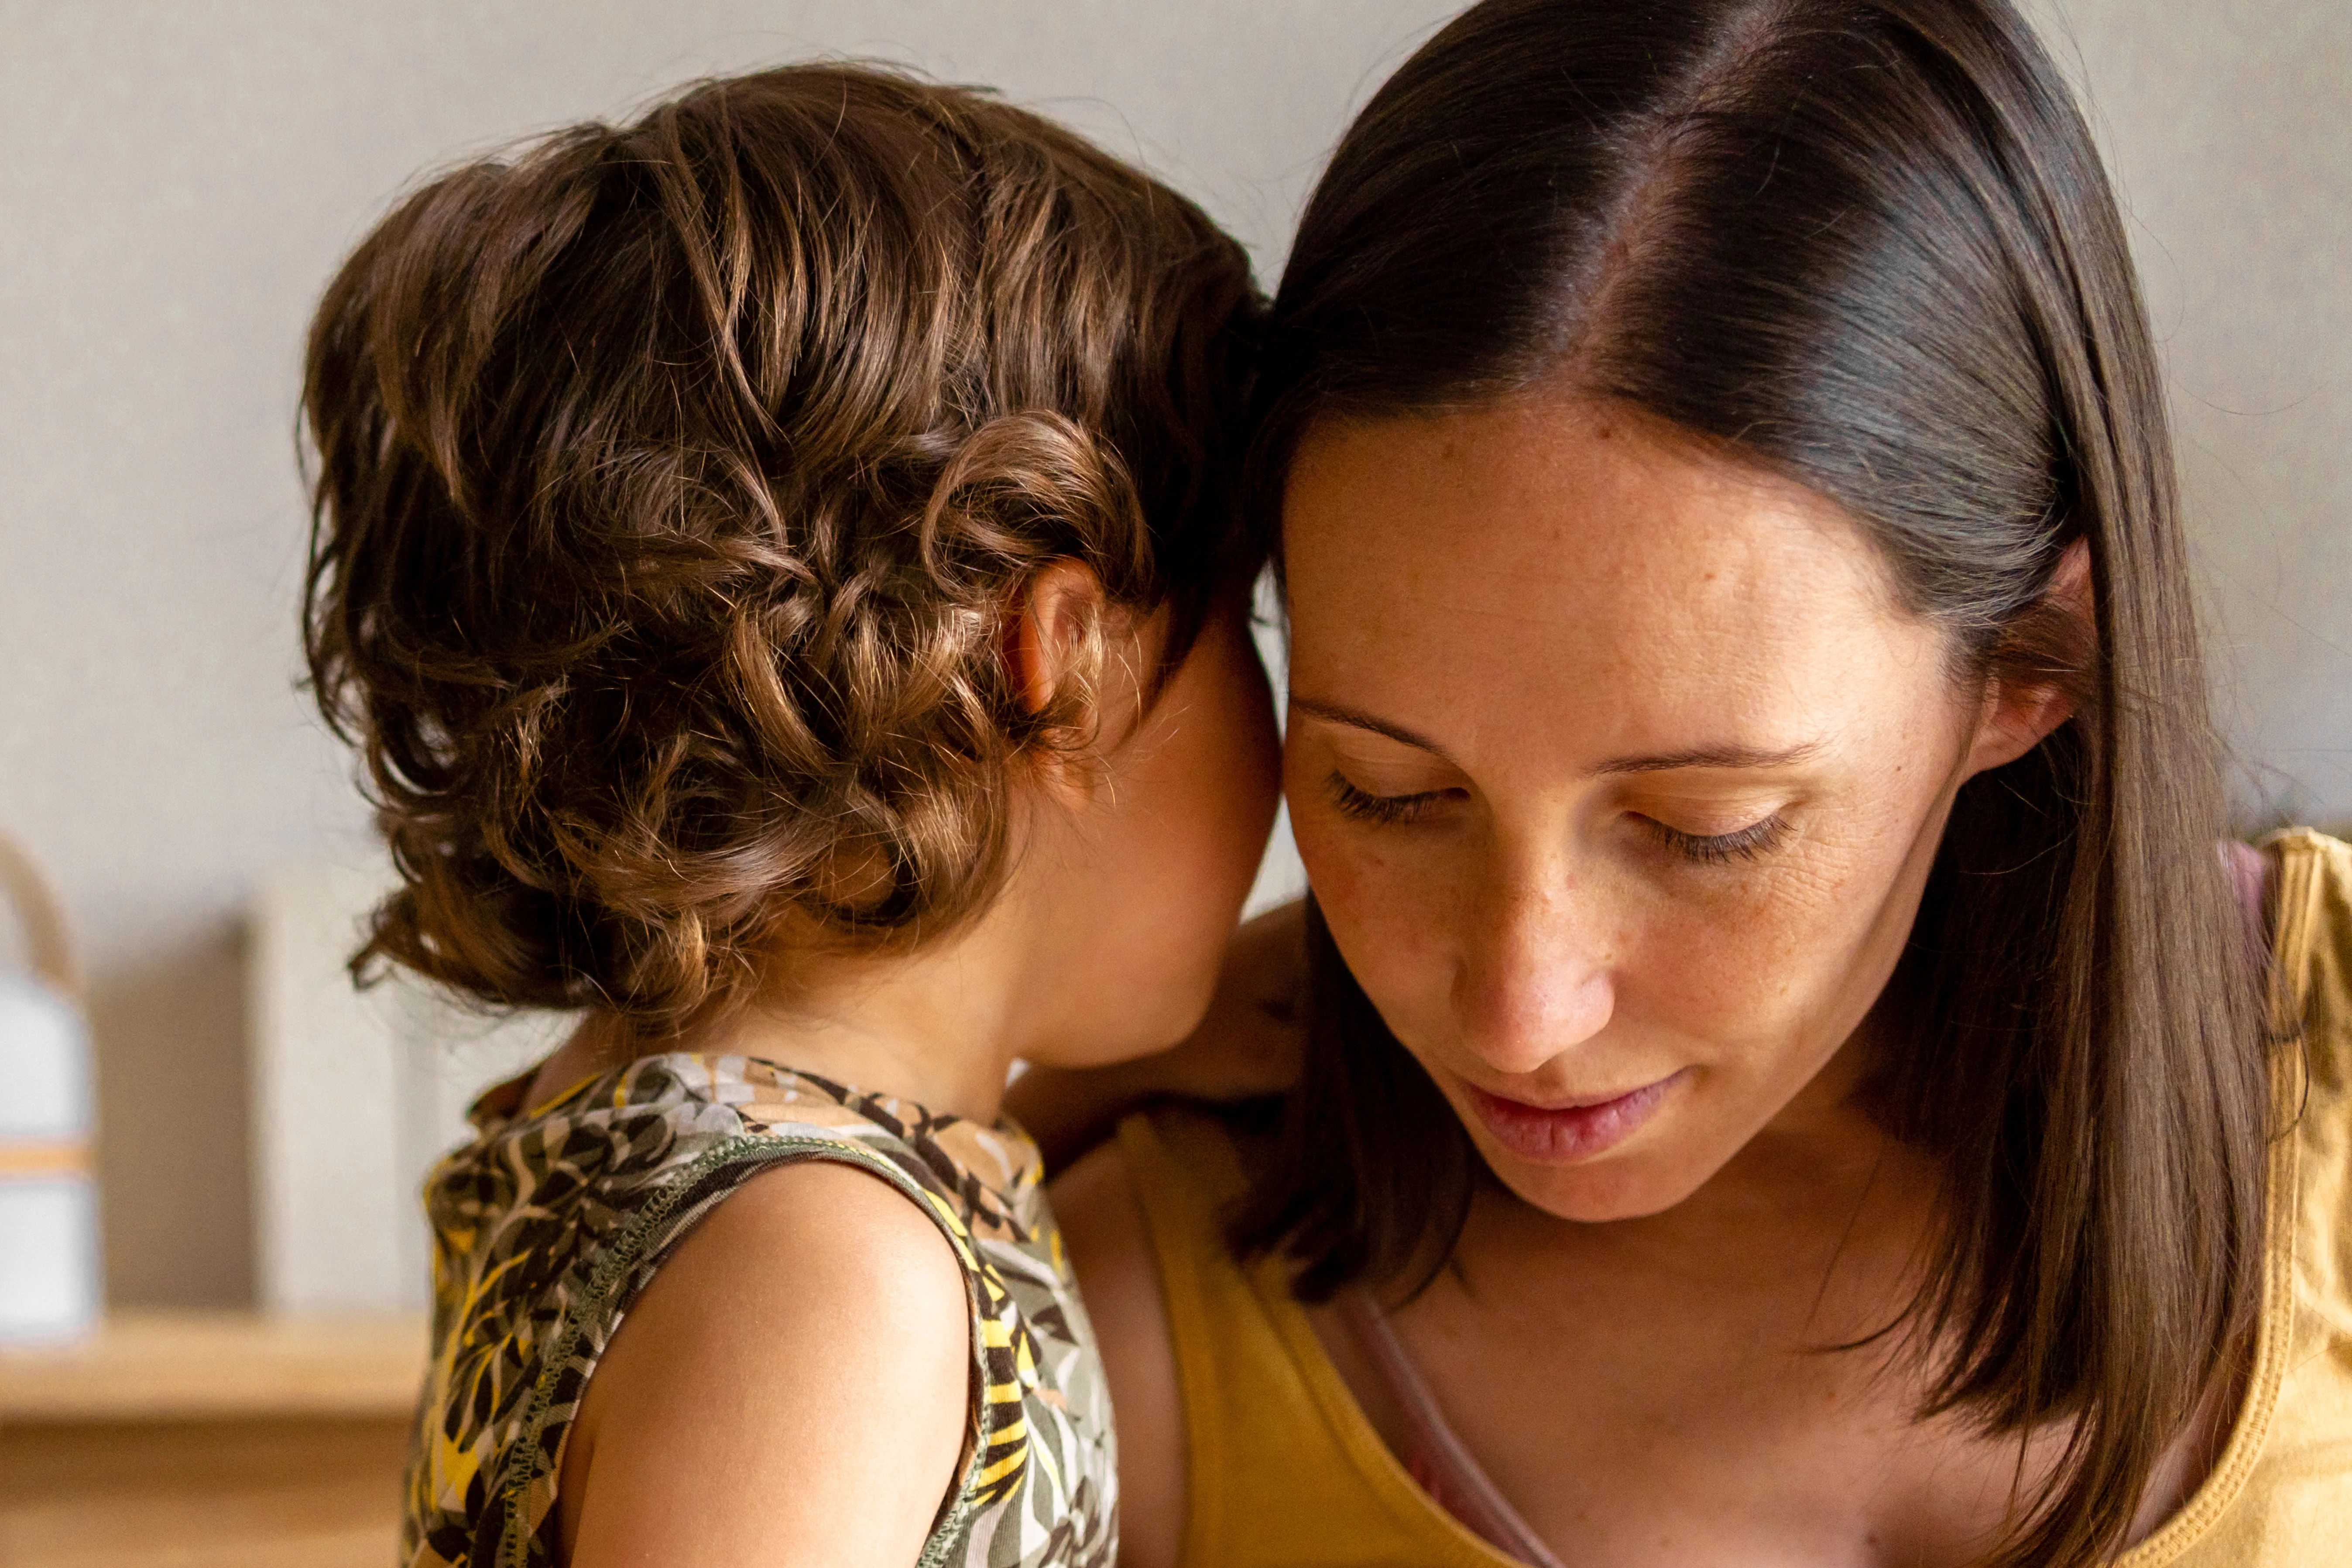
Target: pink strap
(1438, 1461)
(2250, 875)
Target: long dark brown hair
(672, 481)
(1868, 245)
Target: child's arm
(792, 1388)
(1248, 1043)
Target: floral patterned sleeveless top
(551, 1221)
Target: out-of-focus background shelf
(208, 1440)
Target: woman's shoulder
(1144, 1215)
(1101, 1203)
(1163, 1190)
(2311, 940)
(2311, 922)
(2282, 1480)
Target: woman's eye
(1362, 806)
(1749, 843)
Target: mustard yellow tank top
(1284, 1470)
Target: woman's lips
(1564, 1135)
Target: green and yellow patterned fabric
(553, 1220)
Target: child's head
(681, 492)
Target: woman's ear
(2028, 698)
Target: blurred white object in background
(48, 1196)
(355, 1095)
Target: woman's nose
(1533, 980)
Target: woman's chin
(1635, 1187)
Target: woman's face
(1618, 770)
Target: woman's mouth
(1562, 1135)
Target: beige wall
(178, 179)
(2227, 127)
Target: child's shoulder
(730, 1230)
(555, 1218)
(808, 1341)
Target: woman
(1788, 1078)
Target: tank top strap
(1438, 1460)
(1282, 1468)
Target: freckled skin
(1538, 608)
(1634, 1343)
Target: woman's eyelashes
(1752, 842)
(1363, 805)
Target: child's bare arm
(790, 1389)
(1248, 1043)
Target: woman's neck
(1717, 1311)
(1822, 1213)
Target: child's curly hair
(674, 482)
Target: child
(777, 562)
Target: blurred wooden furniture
(207, 1440)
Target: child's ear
(1056, 618)
(2019, 710)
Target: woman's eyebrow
(1712, 757)
(1334, 713)
(1726, 756)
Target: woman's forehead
(1556, 564)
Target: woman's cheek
(1778, 948)
(1707, 937)
(1384, 904)
(1354, 881)
(1707, 981)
